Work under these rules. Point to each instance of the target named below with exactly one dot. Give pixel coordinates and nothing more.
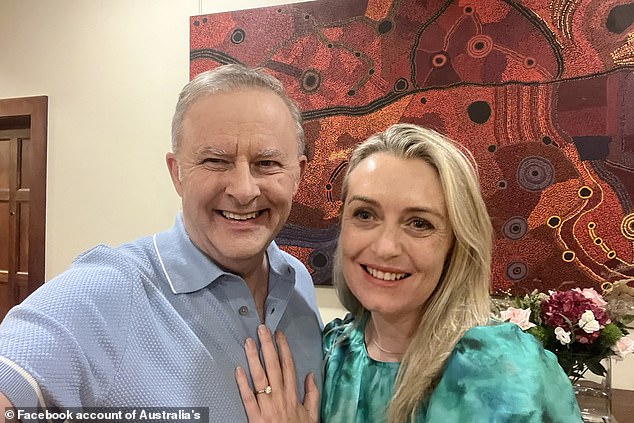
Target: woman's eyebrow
(363, 199)
(368, 200)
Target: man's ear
(174, 170)
(302, 168)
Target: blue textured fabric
(495, 374)
(152, 323)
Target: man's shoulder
(132, 257)
(101, 272)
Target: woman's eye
(420, 224)
(362, 214)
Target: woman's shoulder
(337, 327)
(499, 373)
(501, 352)
(498, 335)
(340, 332)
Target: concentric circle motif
(515, 228)
(530, 62)
(584, 192)
(238, 36)
(516, 271)
(400, 85)
(311, 80)
(318, 259)
(439, 60)
(627, 226)
(535, 173)
(553, 221)
(479, 46)
(568, 256)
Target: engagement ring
(266, 390)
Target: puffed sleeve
(501, 374)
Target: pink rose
(623, 347)
(518, 316)
(590, 293)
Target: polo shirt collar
(187, 269)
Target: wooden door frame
(37, 109)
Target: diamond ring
(266, 390)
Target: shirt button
(244, 310)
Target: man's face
(236, 171)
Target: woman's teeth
(386, 276)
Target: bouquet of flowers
(580, 326)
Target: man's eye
(267, 163)
(213, 160)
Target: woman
(412, 267)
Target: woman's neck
(388, 339)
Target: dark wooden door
(22, 198)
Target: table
(623, 405)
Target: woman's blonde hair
(461, 298)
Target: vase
(594, 395)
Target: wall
(112, 71)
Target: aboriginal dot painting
(541, 91)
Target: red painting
(541, 91)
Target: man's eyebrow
(270, 153)
(211, 151)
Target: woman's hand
(280, 404)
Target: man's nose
(241, 184)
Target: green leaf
(595, 366)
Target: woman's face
(395, 235)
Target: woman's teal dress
(495, 374)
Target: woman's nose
(387, 243)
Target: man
(162, 321)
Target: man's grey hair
(229, 78)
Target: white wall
(112, 70)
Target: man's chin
(237, 249)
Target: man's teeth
(386, 276)
(236, 216)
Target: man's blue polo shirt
(152, 323)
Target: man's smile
(240, 216)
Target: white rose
(588, 323)
(562, 335)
